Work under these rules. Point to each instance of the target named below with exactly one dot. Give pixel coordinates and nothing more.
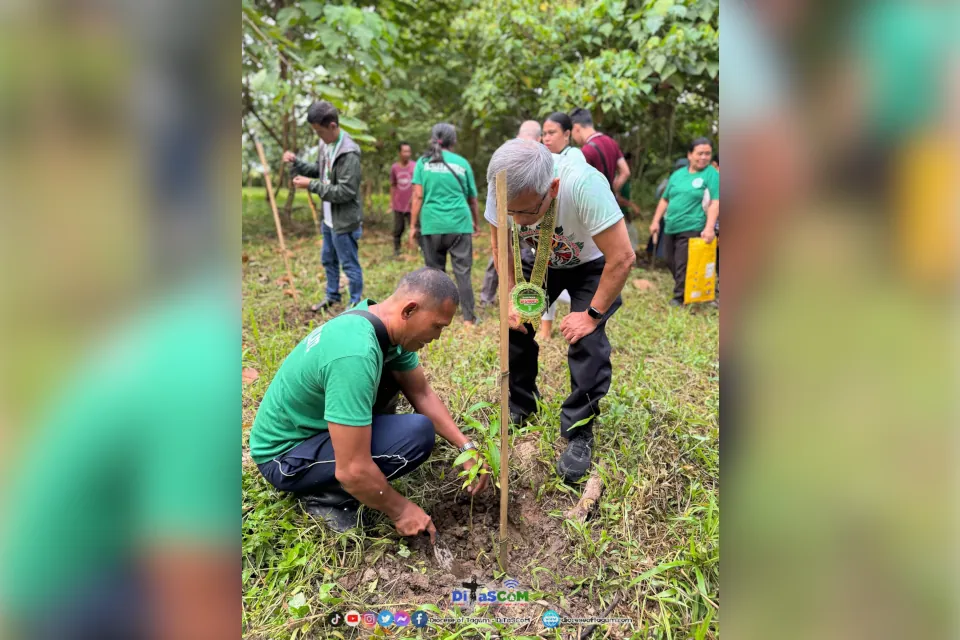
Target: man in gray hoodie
(336, 179)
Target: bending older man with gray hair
(590, 257)
(529, 130)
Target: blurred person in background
(690, 206)
(557, 132)
(401, 192)
(121, 506)
(444, 209)
(631, 212)
(600, 150)
(336, 180)
(681, 162)
(529, 130)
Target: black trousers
(460, 247)
(400, 221)
(398, 445)
(676, 251)
(588, 359)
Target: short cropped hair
(433, 283)
(581, 117)
(322, 113)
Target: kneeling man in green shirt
(327, 428)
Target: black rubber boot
(337, 508)
(518, 420)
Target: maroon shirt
(607, 164)
(402, 178)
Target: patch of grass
(654, 537)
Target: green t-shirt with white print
(331, 376)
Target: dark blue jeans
(340, 249)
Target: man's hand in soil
(301, 182)
(480, 482)
(577, 325)
(413, 521)
(289, 156)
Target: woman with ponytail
(444, 208)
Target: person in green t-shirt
(444, 209)
(691, 203)
(326, 429)
(121, 516)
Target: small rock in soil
(349, 582)
(418, 581)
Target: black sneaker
(575, 460)
(675, 303)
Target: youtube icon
(352, 618)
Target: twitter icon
(385, 619)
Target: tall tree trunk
(670, 131)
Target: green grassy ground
(652, 545)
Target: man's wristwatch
(593, 313)
(469, 445)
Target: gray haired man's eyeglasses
(535, 211)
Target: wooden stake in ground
(313, 210)
(502, 258)
(276, 218)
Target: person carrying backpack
(445, 207)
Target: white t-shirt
(326, 163)
(572, 153)
(585, 207)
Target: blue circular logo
(551, 619)
(385, 619)
(420, 619)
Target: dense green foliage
(647, 70)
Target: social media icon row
(385, 619)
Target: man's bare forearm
(367, 484)
(614, 276)
(619, 181)
(429, 404)
(474, 212)
(415, 211)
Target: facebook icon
(420, 619)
